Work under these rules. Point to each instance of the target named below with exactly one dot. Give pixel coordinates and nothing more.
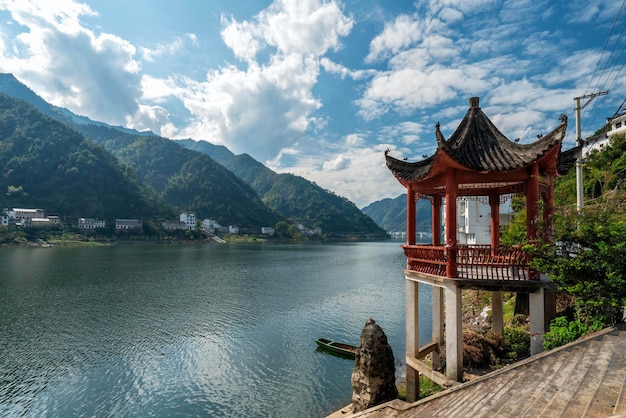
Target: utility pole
(579, 143)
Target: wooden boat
(345, 350)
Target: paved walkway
(586, 378)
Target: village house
(128, 224)
(189, 219)
(24, 215)
(91, 223)
(210, 225)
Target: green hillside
(187, 179)
(390, 214)
(293, 196)
(47, 165)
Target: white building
(91, 223)
(24, 215)
(121, 224)
(189, 219)
(210, 225)
(618, 124)
(474, 219)
(4, 219)
(267, 230)
(597, 142)
(233, 229)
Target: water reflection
(208, 330)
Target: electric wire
(603, 81)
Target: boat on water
(345, 350)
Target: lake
(209, 330)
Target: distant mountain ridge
(192, 180)
(390, 214)
(15, 88)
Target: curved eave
(407, 172)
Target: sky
(321, 88)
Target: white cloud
(290, 27)
(396, 36)
(69, 65)
(165, 49)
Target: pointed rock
(373, 378)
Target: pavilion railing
(481, 262)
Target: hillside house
(174, 225)
(24, 215)
(210, 225)
(37, 222)
(189, 219)
(91, 223)
(128, 224)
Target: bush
(563, 331)
(516, 340)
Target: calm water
(207, 330)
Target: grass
(427, 388)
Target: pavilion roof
(477, 145)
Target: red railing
(480, 262)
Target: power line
(604, 49)
(607, 83)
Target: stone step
(582, 399)
(577, 372)
(566, 360)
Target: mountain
(390, 214)
(48, 165)
(187, 179)
(192, 180)
(14, 88)
(293, 196)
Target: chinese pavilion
(477, 161)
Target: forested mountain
(391, 214)
(193, 181)
(293, 196)
(14, 88)
(45, 164)
(187, 179)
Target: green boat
(344, 350)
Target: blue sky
(320, 88)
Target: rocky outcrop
(373, 378)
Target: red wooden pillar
(548, 212)
(494, 203)
(532, 201)
(410, 216)
(451, 241)
(436, 220)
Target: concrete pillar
(437, 329)
(412, 338)
(454, 332)
(537, 321)
(497, 320)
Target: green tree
(588, 259)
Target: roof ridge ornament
(474, 103)
(440, 138)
